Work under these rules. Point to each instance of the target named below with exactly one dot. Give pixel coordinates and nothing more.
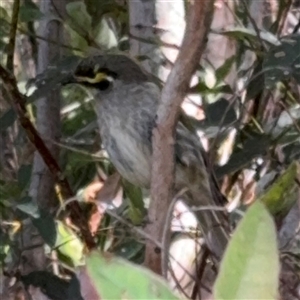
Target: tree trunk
(48, 124)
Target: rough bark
(48, 124)
(199, 19)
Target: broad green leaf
(69, 244)
(283, 193)
(79, 25)
(29, 207)
(250, 267)
(116, 278)
(104, 35)
(79, 17)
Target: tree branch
(18, 102)
(198, 24)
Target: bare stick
(18, 102)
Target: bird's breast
(129, 153)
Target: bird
(126, 100)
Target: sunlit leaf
(69, 244)
(250, 267)
(115, 278)
(104, 35)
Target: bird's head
(103, 73)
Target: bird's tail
(212, 219)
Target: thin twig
(18, 102)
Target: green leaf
(283, 193)
(256, 82)
(3, 14)
(7, 119)
(79, 17)
(250, 267)
(104, 35)
(218, 111)
(69, 244)
(79, 25)
(29, 12)
(45, 224)
(137, 209)
(115, 278)
(28, 206)
(223, 71)
(241, 33)
(283, 61)
(97, 9)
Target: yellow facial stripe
(98, 78)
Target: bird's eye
(103, 85)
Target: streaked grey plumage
(126, 110)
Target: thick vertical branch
(199, 20)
